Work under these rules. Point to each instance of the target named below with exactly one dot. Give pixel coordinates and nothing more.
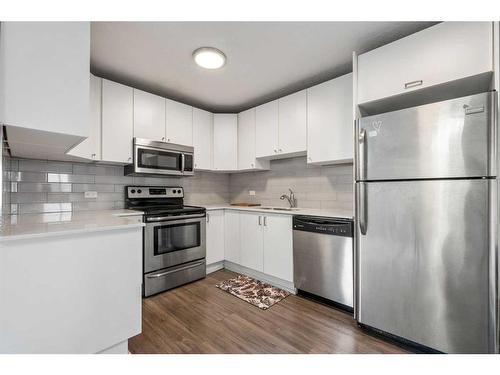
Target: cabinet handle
(168, 139)
(93, 156)
(280, 150)
(260, 220)
(275, 151)
(129, 159)
(162, 138)
(251, 165)
(208, 218)
(265, 221)
(413, 84)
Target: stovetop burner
(159, 200)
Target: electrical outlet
(251, 192)
(91, 194)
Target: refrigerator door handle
(362, 155)
(362, 207)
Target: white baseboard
(212, 267)
(120, 348)
(283, 284)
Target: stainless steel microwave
(160, 158)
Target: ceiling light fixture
(209, 58)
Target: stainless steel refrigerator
(426, 224)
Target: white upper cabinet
(45, 76)
(266, 129)
(278, 246)
(91, 147)
(44, 86)
(442, 53)
(292, 123)
(149, 116)
(330, 122)
(117, 122)
(225, 149)
(203, 127)
(247, 142)
(179, 127)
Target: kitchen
(137, 221)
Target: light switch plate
(91, 194)
(251, 192)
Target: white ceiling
(265, 60)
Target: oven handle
(172, 218)
(166, 273)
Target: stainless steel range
(174, 237)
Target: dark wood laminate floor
(200, 318)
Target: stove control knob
(132, 191)
(174, 191)
(139, 191)
(179, 191)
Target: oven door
(172, 241)
(157, 161)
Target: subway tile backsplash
(314, 186)
(38, 186)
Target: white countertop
(326, 212)
(15, 227)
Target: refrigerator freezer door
(453, 138)
(423, 264)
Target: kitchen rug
(253, 291)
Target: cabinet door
(215, 236)
(117, 122)
(251, 249)
(278, 246)
(179, 123)
(292, 123)
(149, 116)
(44, 70)
(266, 129)
(232, 236)
(91, 147)
(330, 124)
(203, 127)
(439, 54)
(246, 139)
(225, 142)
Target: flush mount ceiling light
(209, 58)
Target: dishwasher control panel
(326, 225)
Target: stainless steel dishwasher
(323, 259)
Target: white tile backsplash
(45, 186)
(314, 186)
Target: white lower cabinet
(278, 246)
(257, 241)
(232, 236)
(266, 244)
(252, 245)
(215, 236)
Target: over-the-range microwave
(160, 158)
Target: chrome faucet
(292, 201)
